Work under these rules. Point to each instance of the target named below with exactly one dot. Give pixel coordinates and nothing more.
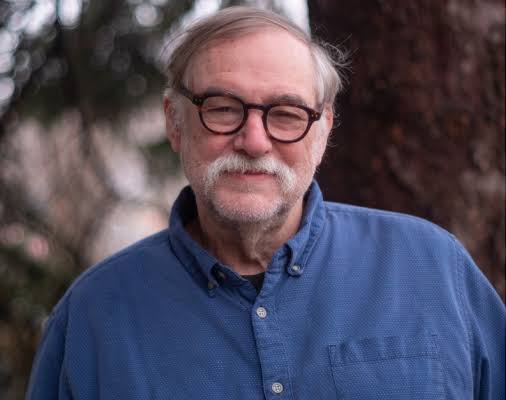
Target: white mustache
(239, 163)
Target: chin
(249, 210)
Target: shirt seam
(431, 356)
(53, 319)
(442, 364)
(461, 297)
(285, 353)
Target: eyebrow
(216, 90)
(286, 98)
(289, 98)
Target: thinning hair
(234, 22)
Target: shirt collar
(311, 225)
(200, 262)
(191, 254)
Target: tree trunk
(423, 116)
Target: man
(259, 289)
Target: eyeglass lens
(223, 114)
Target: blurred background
(85, 169)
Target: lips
(254, 173)
(249, 174)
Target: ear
(171, 127)
(328, 118)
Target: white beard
(233, 212)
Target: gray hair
(234, 22)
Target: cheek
(318, 146)
(296, 156)
(192, 137)
(201, 147)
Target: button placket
(271, 351)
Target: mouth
(249, 174)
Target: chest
(323, 335)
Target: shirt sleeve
(46, 380)
(486, 326)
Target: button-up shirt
(359, 304)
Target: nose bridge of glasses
(255, 106)
(254, 137)
(261, 107)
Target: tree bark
(423, 117)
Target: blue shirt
(359, 304)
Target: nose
(252, 138)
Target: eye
(284, 114)
(288, 113)
(222, 105)
(222, 109)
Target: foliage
(99, 56)
(73, 75)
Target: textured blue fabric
(382, 306)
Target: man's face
(248, 177)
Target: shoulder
(113, 272)
(393, 242)
(405, 245)
(381, 222)
(126, 259)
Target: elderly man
(259, 289)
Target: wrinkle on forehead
(258, 56)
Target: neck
(248, 247)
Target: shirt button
(261, 312)
(295, 268)
(277, 387)
(222, 276)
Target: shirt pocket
(392, 368)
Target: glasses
(225, 114)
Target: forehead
(255, 66)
